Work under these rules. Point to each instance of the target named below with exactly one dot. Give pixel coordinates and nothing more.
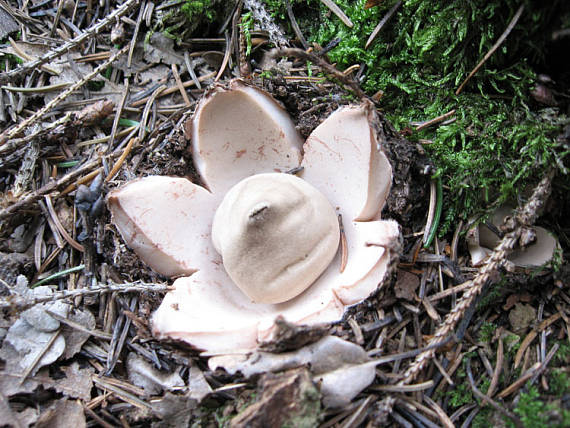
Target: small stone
(521, 317)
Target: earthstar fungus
(277, 234)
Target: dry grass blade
(38, 357)
(60, 227)
(77, 326)
(497, 372)
(338, 12)
(381, 24)
(435, 120)
(532, 335)
(446, 421)
(122, 394)
(121, 159)
(295, 25)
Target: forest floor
(474, 103)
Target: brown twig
(325, 66)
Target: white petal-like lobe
(343, 159)
(242, 131)
(167, 222)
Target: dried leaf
(161, 49)
(11, 418)
(143, 374)
(65, 413)
(29, 343)
(174, 410)
(77, 382)
(197, 384)
(37, 317)
(406, 285)
(74, 339)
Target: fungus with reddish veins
(278, 238)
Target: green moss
(482, 420)
(535, 413)
(492, 295)
(562, 356)
(486, 332)
(559, 382)
(247, 23)
(461, 394)
(198, 9)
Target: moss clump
(498, 146)
(535, 413)
(197, 9)
(559, 382)
(487, 331)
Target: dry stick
(359, 414)
(47, 189)
(83, 180)
(299, 53)
(135, 35)
(95, 416)
(56, 19)
(118, 114)
(295, 25)
(121, 159)
(493, 48)
(435, 120)
(382, 23)
(122, 394)
(173, 89)
(180, 85)
(525, 217)
(24, 124)
(21, 53)
(497, 372)
(90, 32)
(21, 302)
